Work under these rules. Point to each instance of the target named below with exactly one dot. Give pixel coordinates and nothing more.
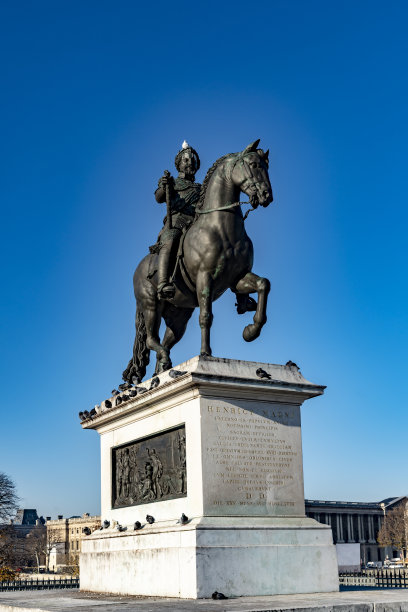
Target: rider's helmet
(185, 146)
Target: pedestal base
(237, 557)
(220, 442)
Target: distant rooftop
(350, 504)
(25, 516)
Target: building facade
(356, 522)
(65, 535)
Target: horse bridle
(230, 205)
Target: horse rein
(229, 205)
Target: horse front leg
(204, 297)
(252, 283)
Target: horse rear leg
(176, 320)
(252, 283)
(152, 321)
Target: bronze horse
(216, 255)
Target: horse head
(250, 174)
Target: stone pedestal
(220, 443)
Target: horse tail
(136, 368)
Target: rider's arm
(160, 194)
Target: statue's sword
(168, 205)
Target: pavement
(72, 600)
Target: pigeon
(120, 528)
(262, 374)
(183, 519)
(106, 524)
(86, 414)
(176, 373)
(118, 401)
(125, 397)
(133, 393)
(185, 144)
(138, 525)
(217, 595)
(108, 404)
(81, 415)
(141, 390)
(86, 531)
(150, 519)
(155, 382)
(124, 386)
(115, 392)
(92, 413)
(292, 364)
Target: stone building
(24, 521)
(65, 535)
(356, 522)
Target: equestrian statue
(202, 250)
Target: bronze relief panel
(150, 469)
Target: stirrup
(166, 291)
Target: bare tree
(394, 530)
(8, 497)
(40, 542)
(13, 549)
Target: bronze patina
(202, 250)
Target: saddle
(179, 267)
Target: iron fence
(376, 578)
(39, 584)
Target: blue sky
(96, 100)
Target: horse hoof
(251, 332)
(163, 367)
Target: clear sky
(97, 97)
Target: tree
(394, 530)
(8, 497)
(40, 542)
(13, 550)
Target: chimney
(60, 516)
(47, 518)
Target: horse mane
(208, 177)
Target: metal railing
(39, 584)
(376, 578)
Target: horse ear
(252, 147)
(266, 156)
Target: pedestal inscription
(254, 452)
(150, 469)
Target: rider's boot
(165, 290)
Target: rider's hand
(166, 179)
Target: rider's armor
(184, 195)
